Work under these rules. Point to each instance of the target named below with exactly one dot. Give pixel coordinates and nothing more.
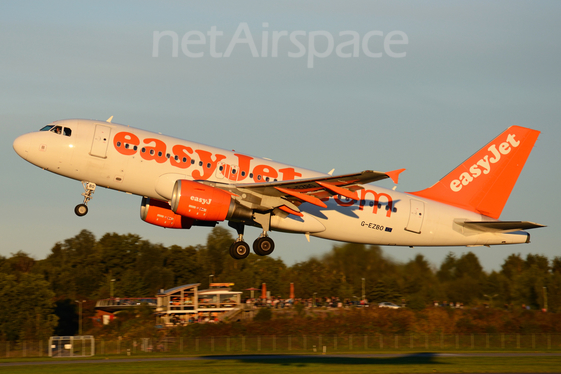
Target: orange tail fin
(484, 181)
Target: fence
(301, 344)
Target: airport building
(181, 305)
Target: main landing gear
(89, 189)
(262, 246)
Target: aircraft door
(100, 141)
(416, 216)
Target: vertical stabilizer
(484, 181)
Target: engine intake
(201, 202)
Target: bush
(416, 302)
(264, 314)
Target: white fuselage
(148, 164)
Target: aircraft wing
(288, 195)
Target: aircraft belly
(360, 224)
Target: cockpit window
(58, 130)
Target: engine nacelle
(201, 202)
(157, 212)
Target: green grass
(427, 363)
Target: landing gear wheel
(263, 246)
(239, 250)
(81, 210)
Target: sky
(428, 84)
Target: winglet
(394, 174)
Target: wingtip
(394, 175)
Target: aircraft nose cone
(21, 145)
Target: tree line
(39, 295)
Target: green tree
(556, 265)
(118, 252)
(73, 267)
(352, 262)
(184, 264)
(379, 293)
(312, 276)
(27, 310)
(468, 266)
(447, 268)
(217, 248)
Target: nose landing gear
(89, 189)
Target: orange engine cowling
(157, 212)
(201, 202)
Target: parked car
(386, 304)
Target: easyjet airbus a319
(185, 184)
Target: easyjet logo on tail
(485, 164)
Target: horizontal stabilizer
(500, 225)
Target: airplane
(185, 184)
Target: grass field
(407, 363)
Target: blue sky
(470, 70)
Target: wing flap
(302, 196)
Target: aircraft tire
(263, 246)
(81, 210)
(239, 250)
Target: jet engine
(157, 212)
(201, 202)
